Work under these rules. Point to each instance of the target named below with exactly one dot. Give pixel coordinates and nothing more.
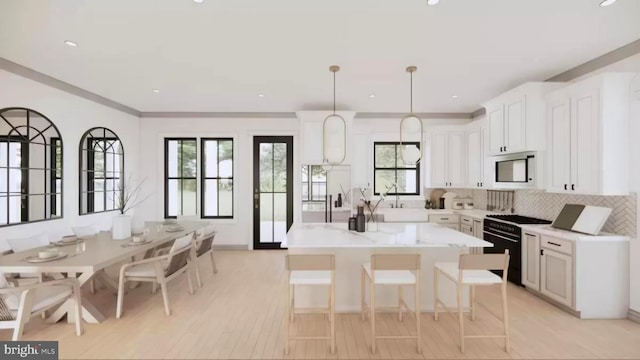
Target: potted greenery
(127, 198)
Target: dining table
(88, 258)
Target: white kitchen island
(433, 242)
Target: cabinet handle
(481, 184)
(541, 252)
(552, 243)
(500, 148)
(565, 186)
(527, 234)
(505, 149)
(573, 186)
(444, 218)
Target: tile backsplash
(541, 204)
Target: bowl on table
(48, 254)
(69, 239)
(138, 239)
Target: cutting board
(582, 218)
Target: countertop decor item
(582, 218)
(372, 209)
(127, 199)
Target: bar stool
(391, 269)
(473, 270)
(310, 270)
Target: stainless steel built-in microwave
(516, 170)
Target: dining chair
(473, 270)
(203, 245)
(159, 270)
(25, 244)
(396, 270)
(19, 304)
(310, 270)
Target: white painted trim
(634, 316)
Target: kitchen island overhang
(433, 242)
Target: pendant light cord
(411, 94)
(334, 93)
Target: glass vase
(372, 226)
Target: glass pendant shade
(334, 139)
(411, 131)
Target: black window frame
(15, 136)
(396, 168)
(204, 177)
(166, 173)
(90, 171)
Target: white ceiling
(219, 55)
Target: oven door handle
(497, 232)
(502, 237)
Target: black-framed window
(216, 186)
(389, 169)
(101, 171)
(314, 183)
(180, 173)
(29, 142)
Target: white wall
(73, 116)
(631, 64)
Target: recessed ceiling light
(433, 2)
(198, 1)
(372, 95)
(71, 43)
(607, 3)
(260, 95)
(156, 91)
(455, 96)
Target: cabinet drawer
(466, 220)
(559, 245)
(444, 219)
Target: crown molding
(37, 76)
(621, 53)
(365, 115)
(220, 115)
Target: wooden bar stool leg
(473, 302)
(362, 303)
(460, 318)
(505, 318)
(372, 314)
(417, 306)
(400, 302)
(293, 303)
(333, 317)
(435, 294)
(287, 320)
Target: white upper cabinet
(447, 165)
(588, 128)
(475, 155)
(311, 132)
(516, 119)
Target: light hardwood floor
(238, 314)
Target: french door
(272, 190)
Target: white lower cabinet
(556, 276)
(531, 260)
(478, 230)
(449, 221)
(547, 267)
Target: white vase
(121, 228)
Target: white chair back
(310, 262)
(395, 262)
(11, 301)
(24, 244)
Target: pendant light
(334, 132)
(411, 124)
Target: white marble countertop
(474, 213)
(570, 235)
(389, 235)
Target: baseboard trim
(555, 303)
(230, 247)
(634, 316)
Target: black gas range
(503, 231)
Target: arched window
(101, 171)
(30, 167)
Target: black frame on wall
(109, 139)
(25, 134)
(167, 178)
(204, 177)
(396, 168)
